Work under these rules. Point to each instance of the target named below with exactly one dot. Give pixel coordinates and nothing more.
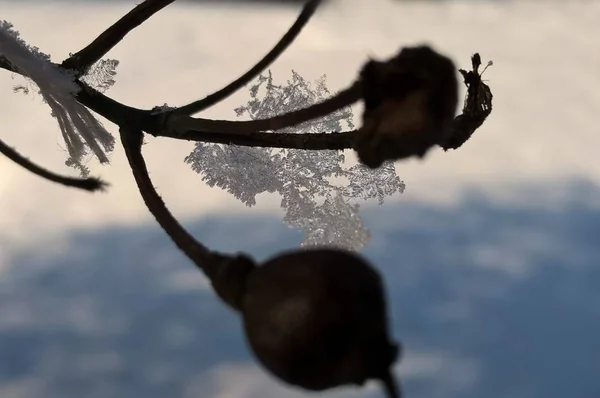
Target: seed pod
(410, 103)
(317, 319)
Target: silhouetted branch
(204, 258)
(313, 141)
(88, 184)
(83, 59)
(153, 123)
(182, 124)
(389, 115)
(280, 47)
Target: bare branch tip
(286, 40)
(94, 184)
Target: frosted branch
(58, 88)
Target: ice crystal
(80, 129)
(317, 188)
(101, 74)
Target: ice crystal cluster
(318, 189)
(81, 131)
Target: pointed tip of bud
(391, 385)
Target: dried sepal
(410, 102)
(477, 107)
(228, 277)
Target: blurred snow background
(490, 255)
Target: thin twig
(184, 123)
(287, 39)
(152, 123)
(305, 141)
(91, 184)
(204, 258)
(83, 59)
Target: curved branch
(305, 141)
(91, 184)
(153, 123)
(204, 258)
(180, 124)
(287, 39)
(83, 59)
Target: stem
(204, 258)
(391, 385)
(312, 141)
(88, 184)
(182, 124)
(287, 39)
(83, 59)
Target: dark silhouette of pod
(410, 103)
(316, 318)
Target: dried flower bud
(410, 103)
(317, 319)
(477, 107)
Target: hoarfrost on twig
(80, 129)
